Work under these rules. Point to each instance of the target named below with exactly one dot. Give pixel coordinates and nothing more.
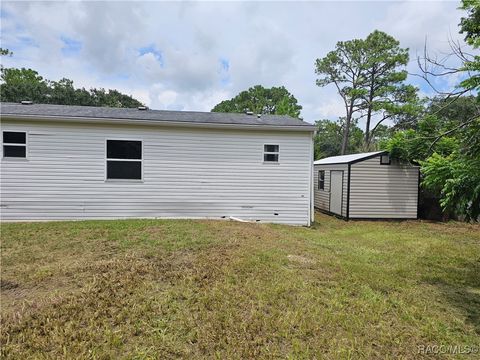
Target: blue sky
(192, 55)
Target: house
(75, 162)
(366, 186)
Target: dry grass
(188, 289)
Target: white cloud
(268, 43)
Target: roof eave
(356, 160)
(306, 128)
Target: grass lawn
(194, 289)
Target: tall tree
(386, 94)
(260, 100)
(343, 68)
(370, 77)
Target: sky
(192, 55)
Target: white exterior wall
(383, 191)
(187, 173)
(322, 197)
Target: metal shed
(366, 186)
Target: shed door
(336, 191)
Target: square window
(271, 153)
(14, 144)
(124, 159)
(385, 159)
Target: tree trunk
(345, 136)
(369, 112)
(346, 130)
(367, 126)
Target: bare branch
(476, 117)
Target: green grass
(141, 289)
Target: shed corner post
(348, 190)
(311, 219)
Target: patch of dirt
(7, 284)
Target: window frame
(106, 179)
(15, 158)
(322, 188)
(385, 163)
(271, 152)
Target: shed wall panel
(322, 197)
(383, 191)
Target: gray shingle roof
(69, 111)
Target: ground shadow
(464, 292)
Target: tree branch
(476, 117)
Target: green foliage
(369, 75)
(5, 52)
(457, 179)
(260, 100)
(470, 26)
(22, 84)
(441, 116)
(342, 67)
(446, 143)
(27, 84)
(382, 133)
(453, 113)
(386, 94)
(328, 139)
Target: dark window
(270, 157)
(123, 149)
(385, 159)
(124, 170)
(124, 159)
(14, 144)
(14, 151)
(14, 137)
(321, 180)
(270, 153)
(271, 148)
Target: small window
(270, 153)
(124, 159)
(14, 144)
(321, 180)
(385, 159)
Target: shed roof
(348, 159)
(157, 116)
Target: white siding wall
(187, 173)
(322, 197)
(383, 191)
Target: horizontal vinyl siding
(383, 191)
(322, 197)
(187, 173)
